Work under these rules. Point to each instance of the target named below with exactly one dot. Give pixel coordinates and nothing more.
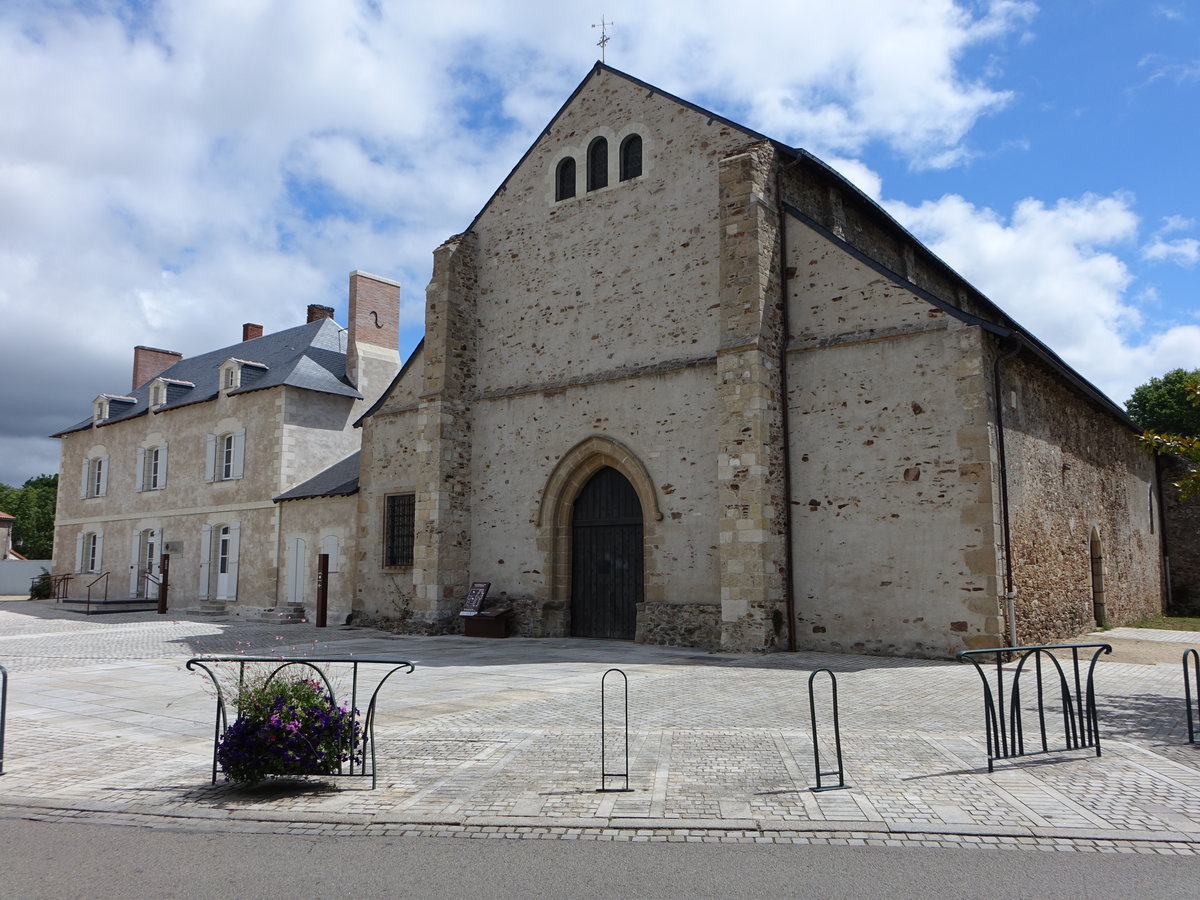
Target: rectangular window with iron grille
(399, 531)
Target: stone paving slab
(105, 722)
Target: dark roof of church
(339, 480)
(310, 356)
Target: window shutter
(296, 572)
(239, 452)
(162, 465)
(235, 537)
(329, 546)
(134, 565)
(103, 476)
(99, 551)
(210, 458)
(142, 482)
(83, 480)
(79, 552)
(205, 559)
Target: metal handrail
(1006, 739)
(221, 722)
(102, 576)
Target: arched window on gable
(597, 164)
(564, 179)
(631, 157)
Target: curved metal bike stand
(1081, 727)
(1187, 690)
(3, 711)
(840, 771)
(604, 773)
(207, 664)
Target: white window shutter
(103, 476)
(210, 458)
(235, 537)
(135, 565)
(162, 465)
(84, 480)
(79, 552)
(205, 559)
(99, 551)
(329, 546)
(140, 479)
(239, 452)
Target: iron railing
(1005, 725)
(1188, 681)
(208, 664)
(101, 577)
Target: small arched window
(597, 164)
(564, 179)
(631, 157)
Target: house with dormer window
(189, 461)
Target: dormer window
(158, 394)
(231, 374)
(102, 406)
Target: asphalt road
(68, 860)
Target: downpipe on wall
(1010, 593)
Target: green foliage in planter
(288, 727)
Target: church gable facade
(682, 384)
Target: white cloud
(1058, 270)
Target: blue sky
(170, 169)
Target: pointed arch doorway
(607, 557)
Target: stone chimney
(316, 312)
(374, 318)
(250, 331)
(148, 362)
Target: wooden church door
(606, 558)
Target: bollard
(604, 773)
(164, 566)
(322, 590)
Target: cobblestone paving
(501, 739)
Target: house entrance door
(606, 558)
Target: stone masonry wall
(1182, 536)
(892, 501)
(1072, 471)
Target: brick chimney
(148, 362)
(374, 317)
(250, 331)
(316, 312)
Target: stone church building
(681, 383)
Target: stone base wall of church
(680, 624)
(534, 617)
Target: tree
(33, 506)
(1165, 406)
(1185, 445)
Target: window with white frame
(152, 468)
(225, 456)
(89, 552)
(94, 477)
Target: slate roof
(339, 480)
(310, 356)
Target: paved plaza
(501, 738)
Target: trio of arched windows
(597, 166)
